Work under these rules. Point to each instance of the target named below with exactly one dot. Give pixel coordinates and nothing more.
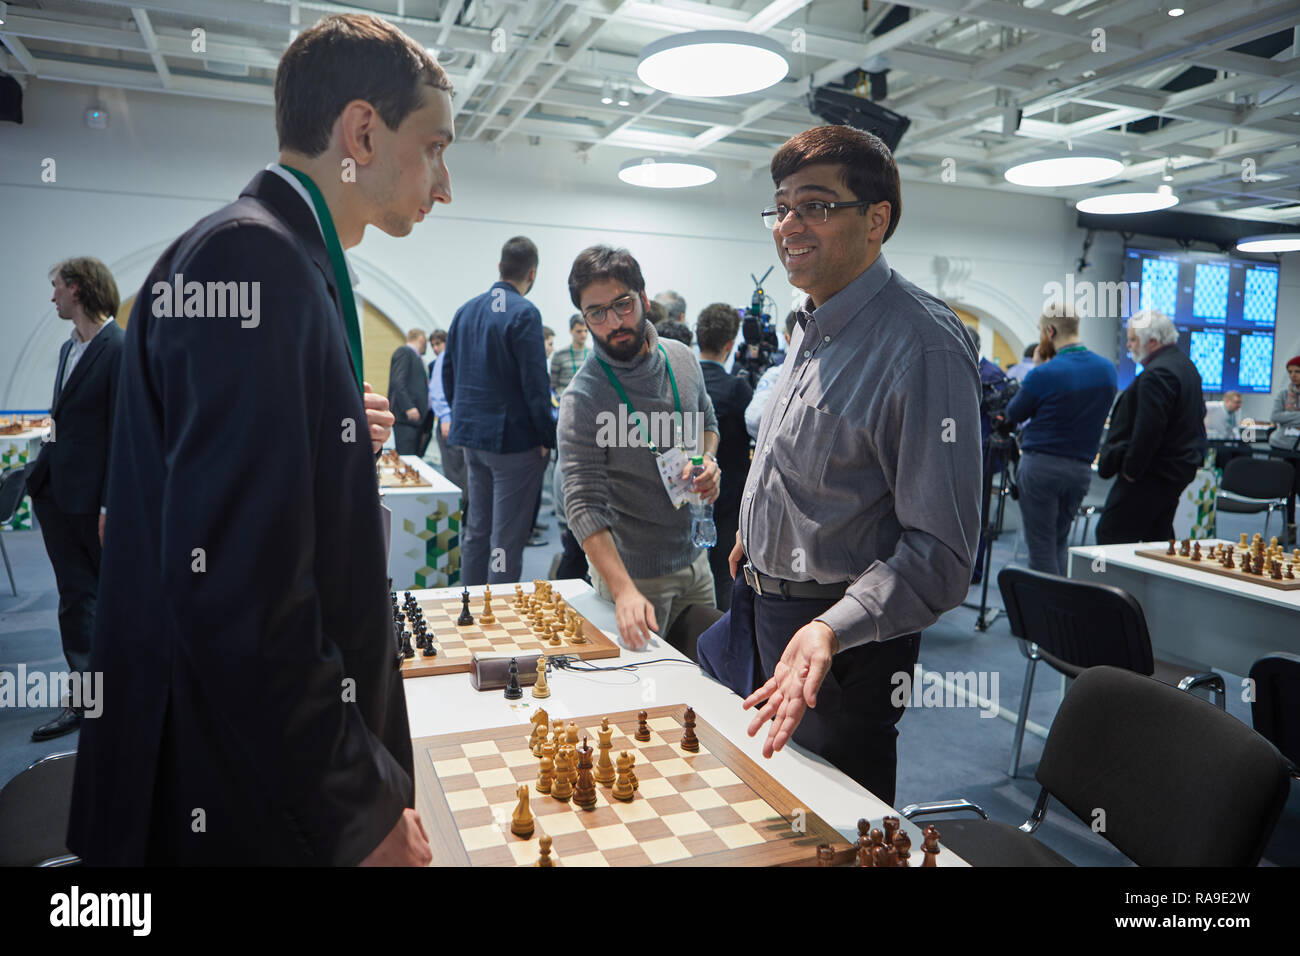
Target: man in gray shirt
(638, 396)
(861, 512)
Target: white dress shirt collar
(301, 190)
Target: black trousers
(407, 438)
(1141, 510)
(72, 542)
(573, 563)
(727, 520)
(854, 723)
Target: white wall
(124, 193)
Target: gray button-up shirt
(867, 467)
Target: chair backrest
(34, 808)
(1258, 478)
(1180, 782)
(1275, 710)
(1082, 623)
(13, 485)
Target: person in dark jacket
(496, 382)
(715, 330)
(408, 393)
(254, 712)
(67, 481)
(1156, 439)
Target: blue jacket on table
(244, 630)
(494, 374)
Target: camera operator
(1068, 398)
(763, 390)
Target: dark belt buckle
(751, 578)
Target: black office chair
(690, 624)
(1275, 711)
(13, 485)
(1163, 776)
(1252, 485)
(1073, 625)
(34, 809)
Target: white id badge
(671, 464)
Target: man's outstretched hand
(793, 687)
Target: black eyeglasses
(622, 307)
(812, 213)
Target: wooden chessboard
(387, 468)
(1212, 566)
(510, 636)
(716, 807)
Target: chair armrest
(68, 859)
(1211, 680)
(940, 806)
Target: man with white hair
(673, 304)
(1156, 439)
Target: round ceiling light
(1120, 204)
(712, 63)
(666, 173)
(1067, 170)
(1276, 242)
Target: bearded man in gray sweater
(638, 408)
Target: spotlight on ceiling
(624, 95)
(712, 63)
(1121, 204)
(1275, 242)
(1168, 175)
(1175, 11)
(607, 92)
(675, 173)
(1068, 169)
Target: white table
(424, 550)
(448, 703)
(1196, 617)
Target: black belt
(765, 586)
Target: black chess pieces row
(408, 622)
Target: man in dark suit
(408, 393)
(495, 379)
(715, 331)
(67, 480)
(1156, 439)
(255, 712)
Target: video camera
(760, 347)
(994, 399)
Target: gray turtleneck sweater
(610, 476)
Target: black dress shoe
(65, 723)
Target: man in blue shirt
(453, 457)
(1068, 399)
(495, 378)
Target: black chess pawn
(465, 618)
(513, 690)
(407, 650)
(430, 649)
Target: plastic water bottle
(704, 533)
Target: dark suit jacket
(408, 386)
(244, 629)
(73, 468)
(495, 374)
(730, 396)
(1157, 427)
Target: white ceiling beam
(151, 44)
(523, 60)
(20, 52)
(1040, 21)
(774, 13)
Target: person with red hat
(1286, 436)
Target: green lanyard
(335, 250)
(627, 402)
(1073, 348)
